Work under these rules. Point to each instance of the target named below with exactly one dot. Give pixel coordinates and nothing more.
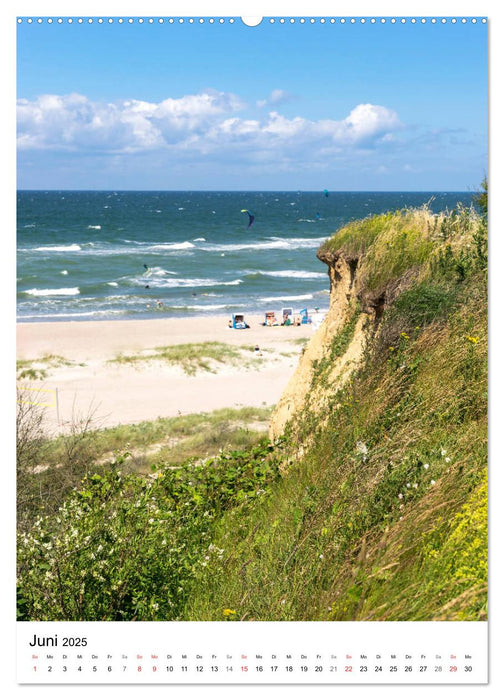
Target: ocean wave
(203, 307)
(79, 314)
(270, 244)
(173, 246)
(72, 248)
(299, 297)
(63, 292)
(172, 283)
(158, 272)
(296, 274)
(234, 283)
(97, 228)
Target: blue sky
(302, 106)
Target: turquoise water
(115, 255)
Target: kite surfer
(250, 216)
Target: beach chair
(270, 319)
(238, 321)
(304, 316)
(287, 316)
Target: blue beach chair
(304, 316)
(238, 321)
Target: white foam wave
(300, 297)
(198, 307)
(271, 244)
(234, 283)
(297, 274)
(64, 272)
(182, 282)
(172, 283)
(158, 272)
(112, 284)
(74, 247)
(63, 292)
(97, 228)
(173, 246)
(80, 314)
(199, 239)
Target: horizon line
(119, 189)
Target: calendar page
(251, 358)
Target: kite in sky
(251, 217)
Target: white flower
(432, 482)
(400, 496)
(425, 466)
(443, 452)
(447, 459)
(362, 449)
(408, 485)
(415, 486)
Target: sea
(93, 255)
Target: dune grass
(191, 357)
(38, 369)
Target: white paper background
(315, 8)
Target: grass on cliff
(391, 244)
(383, 517)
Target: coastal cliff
(380, 509)
(343, 302)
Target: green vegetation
(49, 469)
(123, 547)
(191, 357)
(34, 370)
(380, 516)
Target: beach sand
(84, 383)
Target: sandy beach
(82, 378)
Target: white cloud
(197, 125)
(276, 97)
(369, 121)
